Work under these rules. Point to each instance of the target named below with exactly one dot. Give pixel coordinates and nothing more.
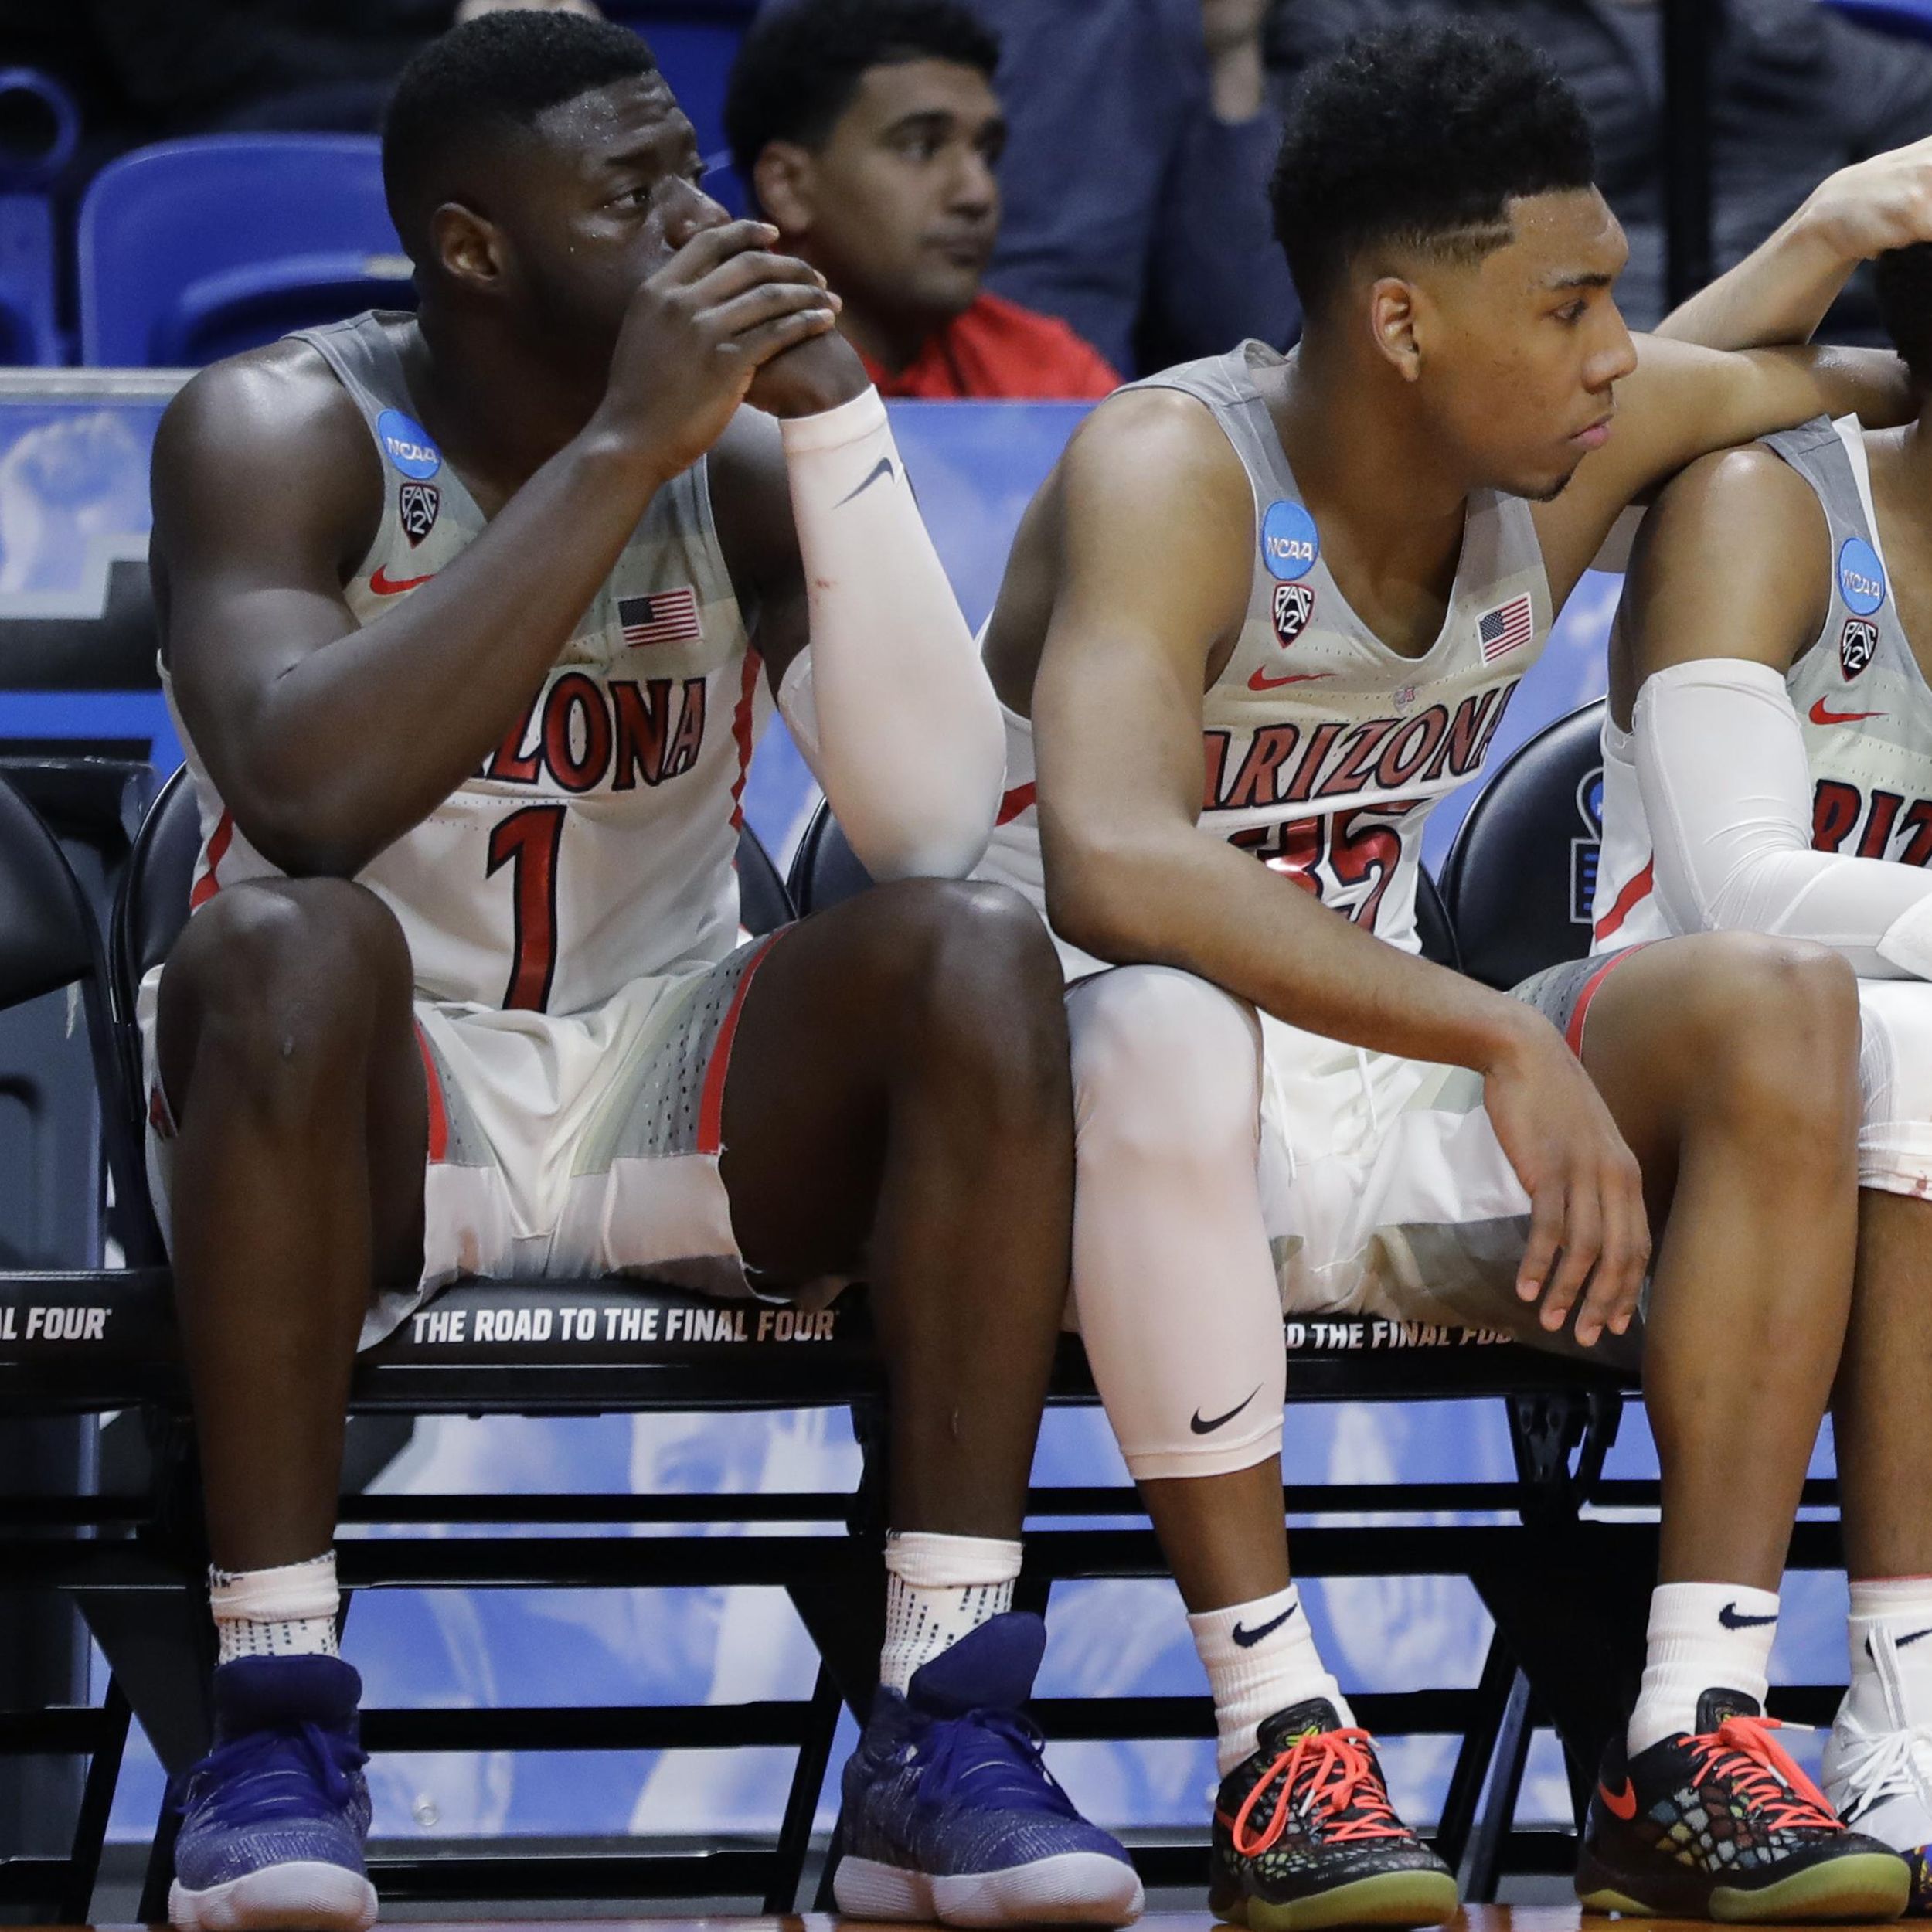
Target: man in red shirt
(869, 132)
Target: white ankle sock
(1702, 1637)
(287, 1611)
(1260, 1658)
(939, 1589)
(1903, 1606)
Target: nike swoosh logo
(385, 586)
(1623, 1803)
(883, 468)
(1819, 715)
(1201, 1428)
(1262, 682)
(1247, 1639)
(1732, 1618)
(1898, 1643)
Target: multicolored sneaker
(951, 1814)
(1878, 1762)
(276, 1815)
(1720, 1823)
(1304, 1835)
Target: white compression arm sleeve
(889, 705)
(1727, 792)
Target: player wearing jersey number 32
(470, 620)
(1768, 767)
(1314, 580)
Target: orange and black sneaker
(1304, 1835)
(1720, 1823)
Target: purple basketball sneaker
(276, 1813)
(951, 1814)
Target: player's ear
(467, 247)
(784, 179)
(1393, 304)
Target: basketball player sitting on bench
(1328, 572)
(1767, 766)
(469, 624)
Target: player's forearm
(1188, 900)
(889, 703)
(360, 741)
(1778, 293)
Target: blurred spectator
(1798, 91)
(868, 133)
(1136, 173)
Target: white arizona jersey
(1862, 701)
(1325, 751)
(595, 844)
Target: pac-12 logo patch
(1861, 577)
(417, 505)
(1293, 605)
(1290, 542)
(406, 444)
(1858, 644)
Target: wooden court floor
(1481, 1918)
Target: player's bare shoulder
(265, 453)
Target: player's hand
(1875, 204)
(696, 335)
(1589, 1235)
(815, 376)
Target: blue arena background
(74, 498)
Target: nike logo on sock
(1898, 1643)
(1732, 1618)
(1623, 1803)
(1247, 1639)
(1204, 1428)
(883, 468)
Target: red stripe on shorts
(1635, 891)
(439, 1135)
(208, 885)
(1015, 802)
(711, 1098)
(1574, 1033)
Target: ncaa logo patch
(1858, 644)
(406, 444)
(1290, 542)
(417, 505)
(1293, 605)
(1861, 577)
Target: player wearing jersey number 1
(1278, 1102)
(470, 620)
(1768, 767)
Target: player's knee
(1166, 1067)
(284, 985)
(983, 991)
(1778, 1043)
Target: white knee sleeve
(1173, 1278)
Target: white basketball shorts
(561, 1146)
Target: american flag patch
(1506, 628)
(665, 617)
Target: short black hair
(496, 72)
(1903, 278)
(1421, 133)
(801, 64)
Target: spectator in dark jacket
(1798, 91)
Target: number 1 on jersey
(528, 841)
